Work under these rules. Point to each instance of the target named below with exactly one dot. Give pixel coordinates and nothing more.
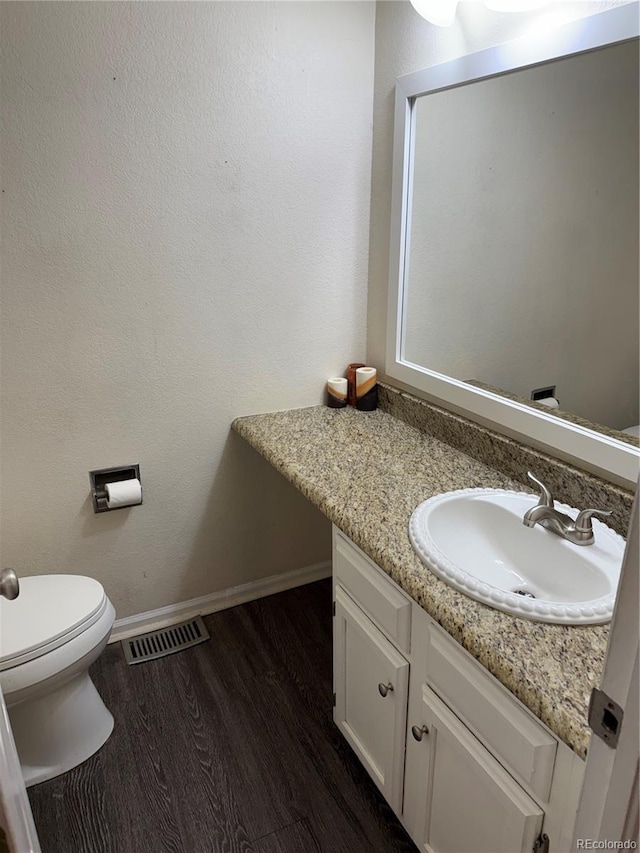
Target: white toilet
(49, 636)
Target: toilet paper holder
(102, 476)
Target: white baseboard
(163, 616)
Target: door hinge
(334, 700)
(541, 844)
(605, 717)
(334, 608)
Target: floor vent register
(165, 641)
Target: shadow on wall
(255, 523)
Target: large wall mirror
(514, 270)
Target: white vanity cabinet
(371, 637)
(468, 802)
(371, 687)
(465, 766)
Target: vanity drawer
(376, 594)
(492, 714)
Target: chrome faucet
(544, 513)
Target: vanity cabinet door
(470, 803)
(371, 683)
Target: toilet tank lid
(48, 610)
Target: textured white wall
(184, 239)
(404, 43)
(523, 267)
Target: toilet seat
(49, 612)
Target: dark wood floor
(228, 746)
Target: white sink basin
(475, 540)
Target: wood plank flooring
(227, 747)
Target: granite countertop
(367, 471)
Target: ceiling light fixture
(438, 12)
(515, 5)
(442, 12)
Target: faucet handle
(546, 498)
(583, 519)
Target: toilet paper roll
(549, 402)
(366, 389)
(337, 387)
(123, 493)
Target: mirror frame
(612, 459)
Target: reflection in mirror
(522, 265)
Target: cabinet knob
(383, 689)
(419, 731)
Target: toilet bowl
(49, 637)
